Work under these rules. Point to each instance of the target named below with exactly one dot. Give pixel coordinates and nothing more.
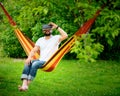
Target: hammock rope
(51, 64)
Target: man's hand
(27, 61)
(62, 32)
(33, 51)
(54, 26)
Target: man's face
(47, 32)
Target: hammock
(51, 64)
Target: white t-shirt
(48, 47)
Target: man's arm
(33, 51)
(62, 32)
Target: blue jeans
(29, 71)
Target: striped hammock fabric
(51, 64)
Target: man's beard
(47, 34)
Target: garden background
(92, 66)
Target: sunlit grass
(70, 78)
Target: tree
(70, 15)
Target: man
(47, 45)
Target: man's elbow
(63, 37)
(66, 36)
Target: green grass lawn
(70, 78)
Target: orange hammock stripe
(27, 46)
(51, 64)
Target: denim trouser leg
(29, 71)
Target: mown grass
(70, 78)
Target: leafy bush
(86, 48)
(70, 15)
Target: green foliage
(109, 26)
(108, 31)
(86, 48)
(10, 46)
(68, 14)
